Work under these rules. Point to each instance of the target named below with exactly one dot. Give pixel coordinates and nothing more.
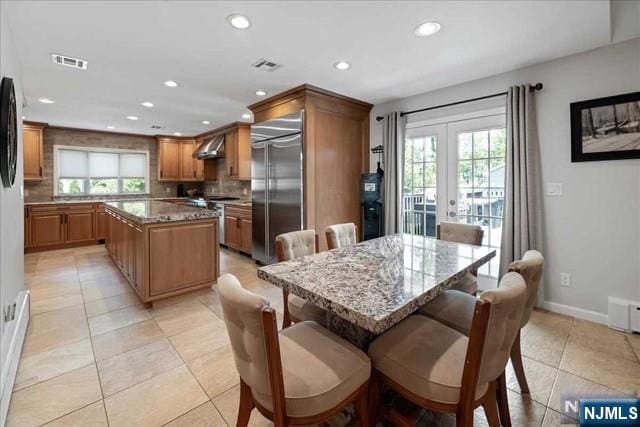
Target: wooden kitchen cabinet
(61, 225)
(80, 224)
(176, 162)
(237, 152)
(33, 152)
(238, 228)
(231, 231)
(47, 227)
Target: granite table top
(377, 283)
(153, 211)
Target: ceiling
(133, 47)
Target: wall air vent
(266, 65)
(68, 61)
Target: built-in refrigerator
(276, 182)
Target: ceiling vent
(68, 61)
(266, 65)
(156, 127)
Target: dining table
(369, 287)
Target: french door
(454, 171)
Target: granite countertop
(377, 283)
(154, 211)
(101, 200)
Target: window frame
(87, 179)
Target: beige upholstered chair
(467, 234)
(340, 235)
(304, 375)
(441, 369)
(455, 309)
(297, 244)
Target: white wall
(593, 231)
(12, 288)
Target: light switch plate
(554, 189)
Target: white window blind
(103, 165)
(72, 164)
(82, 171)
(133, 165)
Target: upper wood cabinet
(33, 153)
(336, 151)
(175, 160)
(237, 153)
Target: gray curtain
(522, 219)
(393, 145)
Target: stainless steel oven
(219, 209)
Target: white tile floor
(95, 356)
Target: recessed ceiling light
(261, 93)
(427, 29)
(147, 104)
(24, 117)
(46, 100)
(132, 118)
(240, 22)
(206, 122)
(177, 134)
(246, 116)
(111, 127)
(171, 83)
(342, 65)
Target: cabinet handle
(231, 170)
(160, 173)
(194, 174)
(40, 170)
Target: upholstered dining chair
(297, 244)
(455, 309)
(441, 369)
(340, 235)
(303, 375)
(467, 234)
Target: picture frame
(606, 128)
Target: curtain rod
(537, 86)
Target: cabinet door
(231, 154)
(169, 153)
(27, 228)
(32, 153)
(188, 168)
(231, 231)
(245, 235)
(47, 229)
(131, 259)
(139, 260)
(101, 225)
(199, 170)
(80, 226)
(123, 240)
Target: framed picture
(606, 128)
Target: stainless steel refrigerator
(276, 182)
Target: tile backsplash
(226, 187)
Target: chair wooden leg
(361, 405)
(246, 405)
(503, 400)
(464, 417)
(375, 388)
(490, 406)
(286, 317)
(518, 367)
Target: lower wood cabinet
(237, 228)
(55, 226)
(164, 259)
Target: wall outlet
(167, 190)
(554, 189)
(565, 280)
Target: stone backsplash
(224, 186)
(41, 191)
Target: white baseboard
(579, 313)
(14, 339)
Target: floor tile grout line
(95, 359)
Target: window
(80, 171)
(420, 186)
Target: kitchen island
(163, 249)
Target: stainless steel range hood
(211, 148)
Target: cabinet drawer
(238, 211)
